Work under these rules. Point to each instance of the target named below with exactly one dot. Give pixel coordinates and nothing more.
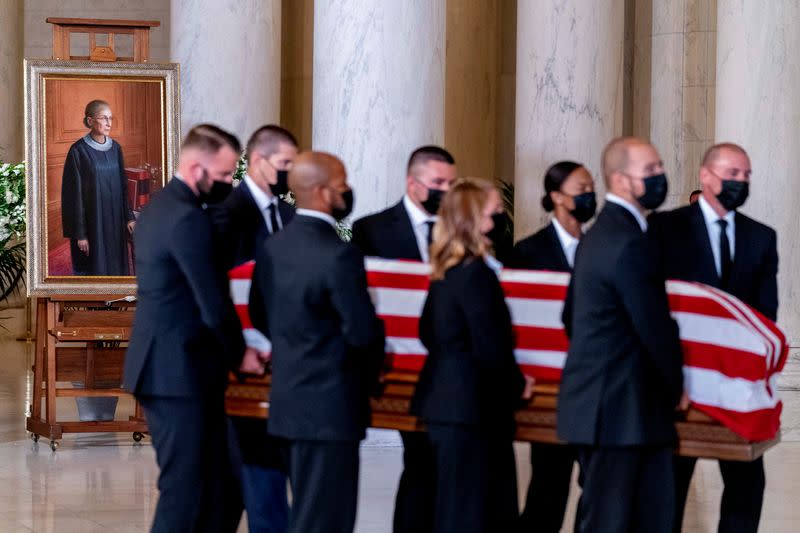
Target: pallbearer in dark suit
(622, 379)
(327, 346)
(470, 384)
(251, 214)
(185, 335)
(404, 231)
(569, 195)
(711, 242)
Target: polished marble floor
(97, 482)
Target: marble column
(569, 92)
(757, 106)
(230, 56)
(11, 100)
(378, 89)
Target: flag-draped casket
(732, 355)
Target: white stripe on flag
(546, 358)
(391, 266)
(398, 302)
(724, 332)
(240, 291)
(710, 387)
(405, 346)
(255, 339)
(536, 313)
(534, 277)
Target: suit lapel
(404, 231)
(557, 250)
(701, 247)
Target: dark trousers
(324, 480)
(742, 495)
(189, 436)
(413, 508)
(476, 480)
(261, 473)
(548, 492)
(628, 489)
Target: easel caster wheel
(53, 445)
(34, 437)
(137, 437)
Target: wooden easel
(79, 338)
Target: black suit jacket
(185, 332)
(309, 297)
(388, 234)
(541, 251)
(470, 375)
(623, 376)
(241, 225)
(682, 239)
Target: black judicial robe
(95, 206)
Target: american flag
(732, 354)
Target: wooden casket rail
(700, 435)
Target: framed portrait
(101, 142)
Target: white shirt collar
(614, 199)
(493, 263)
(263, 200)
(417, 215)
(569, 243)
(317, 214)
(711, 216)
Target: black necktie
(273, 218)
(430, 224)
(724, 254)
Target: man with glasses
(711, 242)
(404, 232)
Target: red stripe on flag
(401, 326)
(411, 363)
(754, 425)
(680, 303)
(533, 338)
(244, 316)
(729, 361)
(243, 271)
(393, 280)
(534, 291)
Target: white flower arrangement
(12, 226)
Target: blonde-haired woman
(470, 384)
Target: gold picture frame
(144, 99)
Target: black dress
(95, 206)
(467, 393)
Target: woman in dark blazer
(569, 195)
(470, 384)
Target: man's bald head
(312, 171)
(616, 155)
(627, 162)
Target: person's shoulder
(380, 218)
(535, 240)
(471, 270)
(759, 228)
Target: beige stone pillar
(11, 74)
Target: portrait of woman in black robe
(95, 209)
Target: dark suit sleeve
(191, 246)
(641, 286)
(360, 237)
(256, 303)
(768, 280)
(489, 322)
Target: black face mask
(217, 193)
(281, 187)
(498, 232)
(585, 206)
(655, 191)
(340, 213)
(733, 194)
(431, 204)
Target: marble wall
(569, 92)
(39, 34)
(230, 56)
(378, 89)
(11, 106)
(757, 106)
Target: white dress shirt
(568, 243)
(317, 214)
(263, 201)
(713, 229)
(419, 222)
(614, 199)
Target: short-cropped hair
(712, 153)
(266, 140)
(423, 154)
(209, 139)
